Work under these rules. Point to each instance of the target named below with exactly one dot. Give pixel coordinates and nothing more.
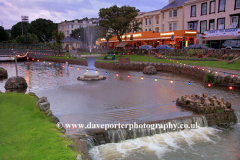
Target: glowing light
(63, 66)
(230, 87)
(142, 78)
(171, 81)
(128, 76)
(164, 34)
(56, 64)
(38, 60)
(50, 63)
(27, 57)
(155, 79)
(43, 61)
(165, 57)
(117, 74)
(78, 68)
(177, 61)
(190, 32)
(184, 64)
(233, 75)
(106, 73)
(180, 63)
(87, 70)
(209, 85)
(216, 72)
(173, 60)
(170, 60)
(71, 67)
(189, 65)
(96, 71)
(198, 68)
(102, 54)
(209, 70)
(223, 73)
(203, 69)
(189, 83)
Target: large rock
(149, 70)
(228, 104)
(44, 106)
(16, 83)
(3, 72)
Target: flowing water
(119, 99)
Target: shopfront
(215, 38)
(176, 39)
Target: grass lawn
(26, 133)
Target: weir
(117, 135)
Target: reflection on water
(127, 100)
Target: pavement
(216, 70)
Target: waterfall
(115, 136)
(237, 114)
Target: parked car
(231, 44)
(164, 47)
(146, 47)
(197, 46)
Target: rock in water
(3, 72)
(149, 70)
(16, 83)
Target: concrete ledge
(82, 78)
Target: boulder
(16, 83)
(197, 103)
(79, 157)
(149, 70)
(70, 145)
(207, 102)
(221, 99)
(55, 119)
(205, 94)
(3, 72)
(228, 104)
(42, 100)
(44, 106)
(214, 96)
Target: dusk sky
(61, 10)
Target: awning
(221, 38)
(123, 44)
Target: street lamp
(25, 21)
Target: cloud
(61, 10)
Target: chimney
(170, 1)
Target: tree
(42, 27)
(119, 20)
(58, 37)
(4, 35)
(32, 38)
(17, 30)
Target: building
(163, 26)
(214, 20)
(68, 26)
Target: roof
(71, 40)
(123, 44)
(175, 3)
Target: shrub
(117, 52)
(190, 52)
(230, 57)
(210, 78)
(110, 52)
(199, 55)
(225, 56)
(236, 55)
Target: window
(234, 22)
(145, 29)
(212, 7)
(80, 26)
(221, 23)
(157, 19)
(72, 25)
(150, 21)
(203, 26)
(204, 9)
(174, 26)
(170, 26)
(145, 21)
(157, 29)
(221, 6)
(162, 15)
(175, 13)
(150, 29)
(237, 4)
(67, 31)
(170, 13)
(67, 25)
(211, 24)
(163, 27)
(60, 27)
(192, 25)
(193, 11)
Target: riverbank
(27, 133)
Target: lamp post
(25, 21)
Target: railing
(23, 46)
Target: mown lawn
(26, 133)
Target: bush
(190, 52)
(236, 55)
(230, 57)
(210, 78)
(117, 52)
(199, 55)
(225, 56)
(110, 52)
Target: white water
(237, 116)
(154, 147)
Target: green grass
(65, 55)
(26, 133)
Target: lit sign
(103, 39)
(134, 35)
(164, 34)
(190, 32)
(222, 32)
